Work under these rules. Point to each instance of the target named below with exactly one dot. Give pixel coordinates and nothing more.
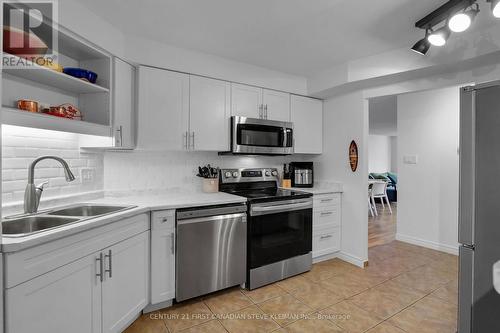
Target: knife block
(210, 185)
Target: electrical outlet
(87, 175)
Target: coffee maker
(302, 174)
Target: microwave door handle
(284, 145)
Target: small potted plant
(210, 179)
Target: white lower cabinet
(162, 256)
(125, 286)
(67, 299)
(102, 292)
(327, 223)
(326, 241)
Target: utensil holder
(210, 185)
(286, 183)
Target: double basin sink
(31, 224)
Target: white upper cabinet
(255, 102)
(163, 109)
(124, 104)
(246, 101)
(276, 105)
(209, 114)
(307, 117)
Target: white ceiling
(300, 37)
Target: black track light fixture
(422, 46)
(440, 36)
(461, 21)
(453, 16)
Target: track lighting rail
(443, 13)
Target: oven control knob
(235, 174)
(274, 173)
(268, 173)
(228, 174)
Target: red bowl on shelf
(13, 37)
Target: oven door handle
(274, 209)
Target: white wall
(75, 17)
(394, 154)
(345, 119)
(152, 53)
(428, 127)
(379, 153)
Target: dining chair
(370, 205)
(379, 191)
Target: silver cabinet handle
(172, 245)
(192, 142)
(110, 258)
(326, 237)
(100, 274)
(165, 219)
(120, 130)
(261, 110)
(185, 140)
(326, 200)
(265, 111)
(326, 213)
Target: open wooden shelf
(53, 78)
(12, 116)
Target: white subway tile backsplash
(11, 186)
(20, 146)
(154, 170)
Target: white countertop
(161, 200)
(144, 201)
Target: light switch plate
(87, 175)
(410, 159)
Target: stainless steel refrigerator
(479, 215)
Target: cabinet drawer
(326, 241)
(164, 219)
(330, 216)
(326, 200)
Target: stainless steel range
(279, 228)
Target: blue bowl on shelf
(81, 73)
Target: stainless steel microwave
(261, 137)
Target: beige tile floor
(405, 289)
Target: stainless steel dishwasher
(211, 249)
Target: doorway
(382, 170)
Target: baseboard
(428, 244)
(325, 257)
(351, 259)
(154, 307)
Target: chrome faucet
(33, 192)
